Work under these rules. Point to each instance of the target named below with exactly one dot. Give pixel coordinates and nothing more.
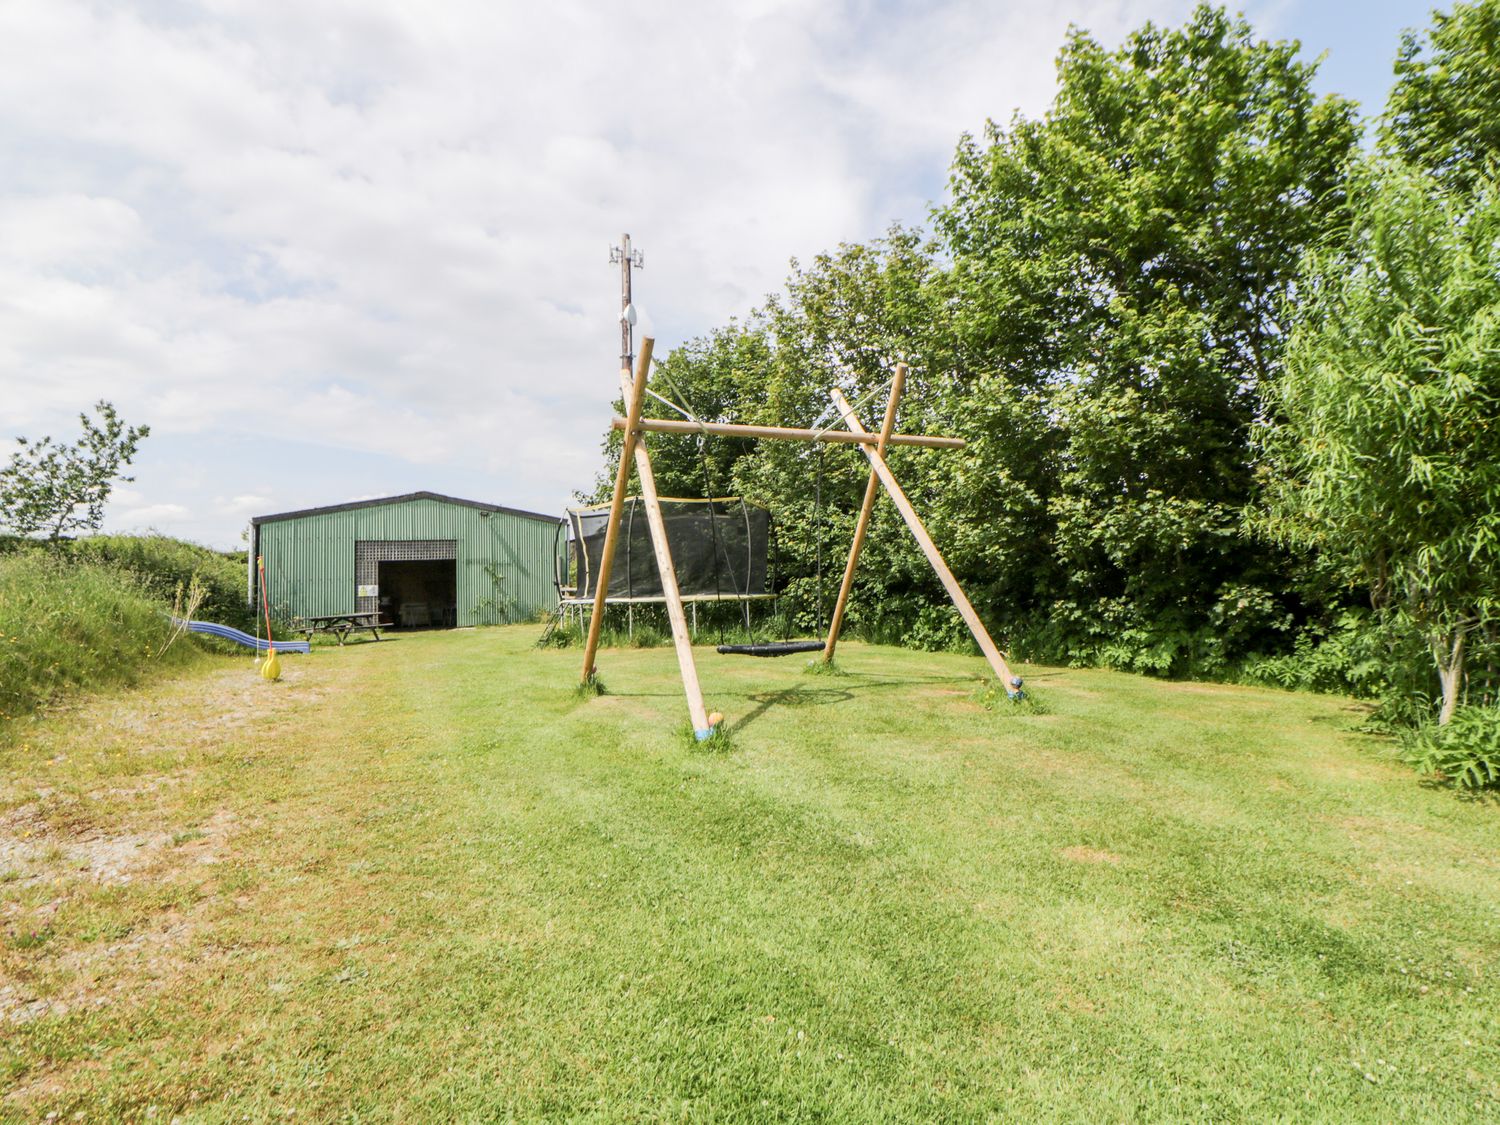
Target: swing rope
(787, 646)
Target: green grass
(66, 624)
(425, 880)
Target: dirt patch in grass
(1367, 825)
(1238, 690)
(143, 788)
(1071, 1000)
(48, 1084)
(101, 974)
(35, 847)
(202, 710)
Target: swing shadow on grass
(799, 696)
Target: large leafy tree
(1384, 441)
(1102, 300)
(54, 488)
(1126, 259)
(1442, 114)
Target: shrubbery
(161, 565)
(1355, 655)
(1464, 752)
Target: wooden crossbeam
(784, 433)
(929, 548)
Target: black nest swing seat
(772, 648)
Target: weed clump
(718, 741)
(568, 635)
(590, 688)
(992, 696)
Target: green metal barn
(419, 560)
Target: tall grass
(66, 624)
(162, 564)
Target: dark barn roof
(353, 505)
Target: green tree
(55, 488)
(1126, 261)
(1383, 445)
(845, 320)
(1442, 114)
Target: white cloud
(69, 229)
(148, 517)
(379, 228)
(243, 506)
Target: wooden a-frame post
(682, 639)
(634, 397)
(862, 525)
(633, 451)
(929, 548)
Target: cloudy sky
(332, 249)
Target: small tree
(1383, 449)
(54, 488)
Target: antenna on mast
(627, 259)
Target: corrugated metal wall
(505, 561)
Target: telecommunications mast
(628, 259)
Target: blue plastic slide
(224, 632)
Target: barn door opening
(412, 583)
(420, 595)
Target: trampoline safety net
(719, 548)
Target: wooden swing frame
(633, 453)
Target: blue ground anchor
(704, 735)
(1013, 689)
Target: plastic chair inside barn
(420, 594)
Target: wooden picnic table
(342, 624)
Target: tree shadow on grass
(1487, 796)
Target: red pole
(265, 601)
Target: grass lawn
(422, 880)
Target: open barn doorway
(420, 594)
(412, 583)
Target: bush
(910, 620)
(1465, 753)
(1359, 655)
(66, 624)
(161, 565)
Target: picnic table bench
(341, 625)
